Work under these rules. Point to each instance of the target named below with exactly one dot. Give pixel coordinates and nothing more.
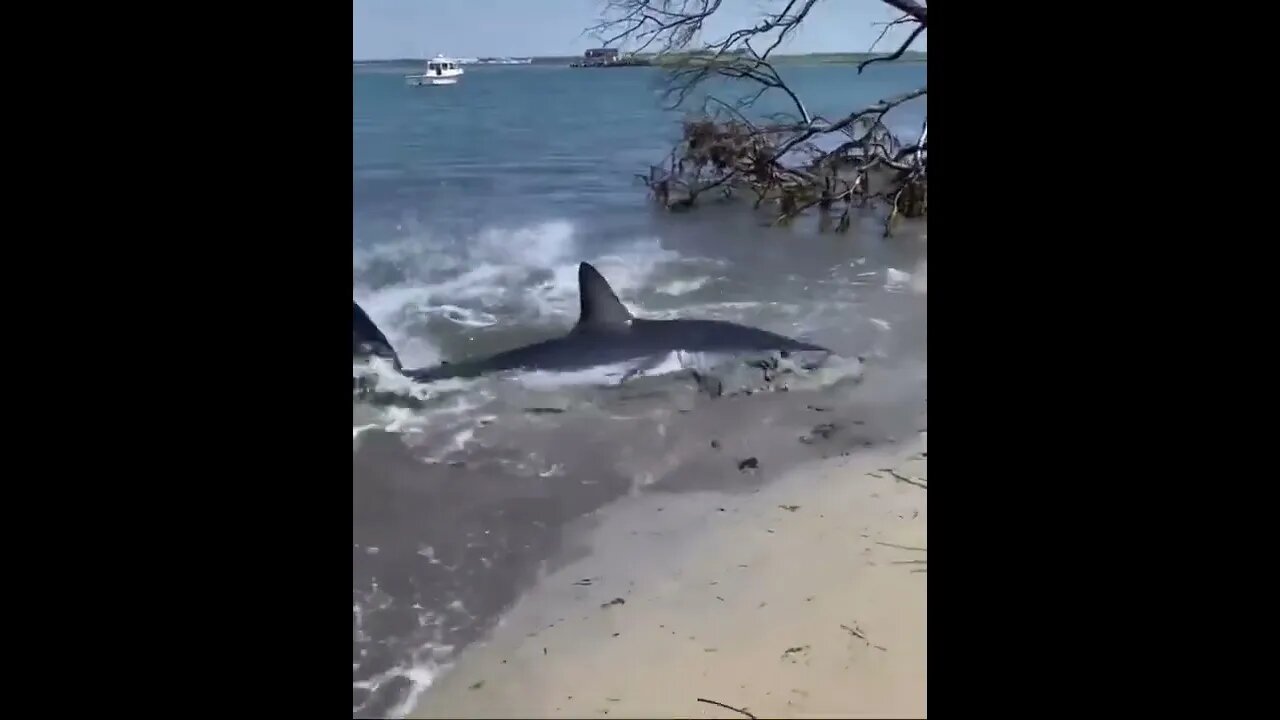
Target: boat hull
(426, 81)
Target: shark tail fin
(367, 340)
(599, 307)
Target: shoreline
(694, 597)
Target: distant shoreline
(820, 58)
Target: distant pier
(609, 57)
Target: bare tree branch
(890, 58)
(778, 161)
(914, 9)
(888, 26)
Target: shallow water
(472, 206)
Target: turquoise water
(529, 143)
(471, 207)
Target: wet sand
(804, 598)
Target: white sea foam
(683, 287)
(919, 279)
(895, 278)
(517, 275)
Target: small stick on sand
(900, 547)
(728, 707)
(854, 631)
(909, 480)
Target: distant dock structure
(608, 57)
(501, 61)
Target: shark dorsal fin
(599, 306)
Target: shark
(606, 344)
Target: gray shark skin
(606, 334)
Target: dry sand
(805, 598)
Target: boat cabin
(439, 67)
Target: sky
(384, 29)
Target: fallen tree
(780, 162)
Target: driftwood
(727, 707)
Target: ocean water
(471, 207)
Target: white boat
(440, 71)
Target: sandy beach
(803, 598)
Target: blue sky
(468, 28)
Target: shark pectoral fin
(648, 365)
